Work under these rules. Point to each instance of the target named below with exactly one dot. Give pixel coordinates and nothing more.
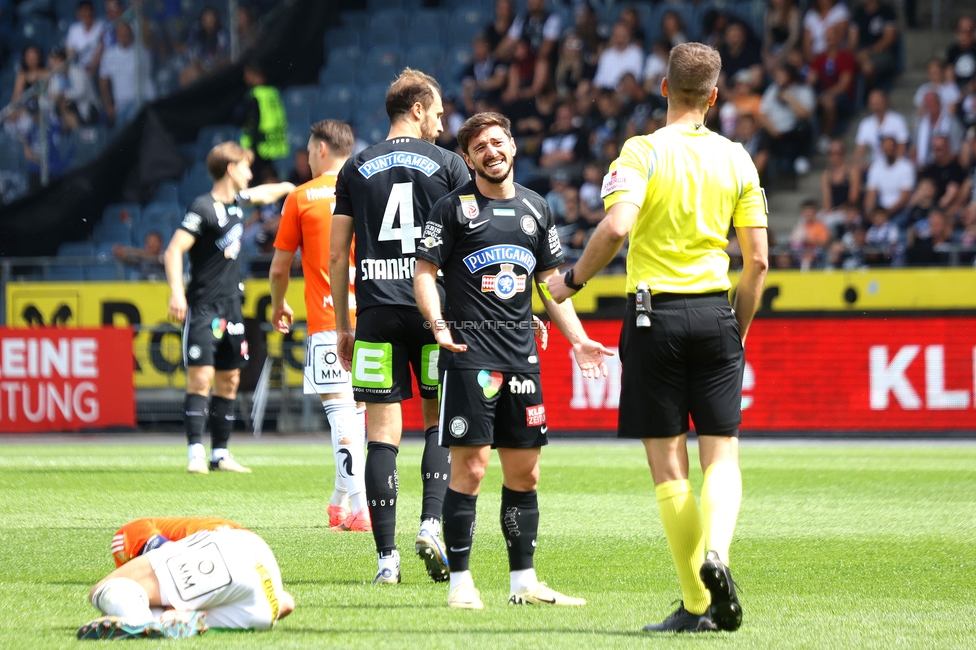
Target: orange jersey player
(143, 535)
(306, 223)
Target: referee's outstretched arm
(755, 262)
(603, 246)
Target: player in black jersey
(214, 348)
(492, 239)
(383, 196)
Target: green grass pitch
(867, 545)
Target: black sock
(520, 526)
(221, 421)
(435, 471)
(194, 417)
(459, 519)
(382, 487)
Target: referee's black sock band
(435, 470)
(459, 518)
(194, 417)
(221, 421)
(520, 526)
(382, 487)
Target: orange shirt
(306, 222)
(132, 537)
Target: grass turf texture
(838, 546)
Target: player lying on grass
(143, 535)
(225, 578)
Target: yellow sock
(683, 528)
(720, 500)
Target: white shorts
(323, 372)
(230, 574)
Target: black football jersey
(489, 251)
(388, 190)
(215, 270)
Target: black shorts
(689, 362)
(488, 407)
(213, 335)
(389, 340)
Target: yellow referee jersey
(689, 184)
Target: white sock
(432, 526)
(339, 496)
(350, 458)
(524, 579)
(125, 598)
(460, 578)
(217, 455)
(196, 451)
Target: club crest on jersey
(528, 225)
(469, 206)
(504, 285)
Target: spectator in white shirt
(938, 83)
(880, 121)
(820, 17)
(891, 180)
(934, 122)
(84, 36)
(620, 57)
(124, 67)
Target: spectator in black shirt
(739, 52)
(947, 174)
(961, 55)
(486, 77)
(874, 40)
(496, 30)
(565, 146)
(925, 236)
(755, 141)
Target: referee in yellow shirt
(675, 193)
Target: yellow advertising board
(157, 349)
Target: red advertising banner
(57, 379)
(803, 374)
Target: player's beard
(496, 178)
(428, 130)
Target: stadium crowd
(94, 63)
(577, 79)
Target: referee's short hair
(478, 123)
(410, 87)
(336, 134)
(226, 153)
(692, 73)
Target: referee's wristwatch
(570, 282)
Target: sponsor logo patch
(218, 326)
(502, 254)
(504, 285)
(490, 381)
(503, 212)
(554, 246)
(192, 222)
(619, 180)
(469, 206)
(535, 415)
(416, 161)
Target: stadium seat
(685, 11)
(426, 58)
(374, 130)
(101, 272)
(752, 13)
(382, 65)
(89, 142)
(301, 102)
(116, 224)
(425, 27)
(465, 23)
(342, 65)
(385, 28)
(38, 31)
(337, 100)
(371, 102)
(341, 37)
(167, 192)
(458, 58)
(297, 137)
(385, 5)
(64, 273)
(12, 155)
(355, 20)
(195, 182)
(214, 135)
(76, 249)
(160, 214)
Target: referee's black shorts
(689, 362)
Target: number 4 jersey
(388, 189)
